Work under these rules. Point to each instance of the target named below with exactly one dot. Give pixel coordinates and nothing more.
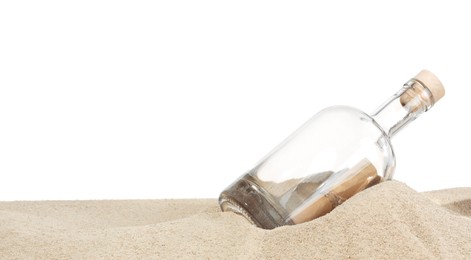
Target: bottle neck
(405, 106)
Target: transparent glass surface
(336, 154)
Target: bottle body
(337, 153)
(304, 177)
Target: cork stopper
(432, 83)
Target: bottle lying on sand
(337, 153)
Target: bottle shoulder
(349, 114)
(342, 109)
(350, 125)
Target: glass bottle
(337, 153)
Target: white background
(176, 99)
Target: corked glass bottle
(337, 153)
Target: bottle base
(246, 198)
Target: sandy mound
(389, 220)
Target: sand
(387, 221)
